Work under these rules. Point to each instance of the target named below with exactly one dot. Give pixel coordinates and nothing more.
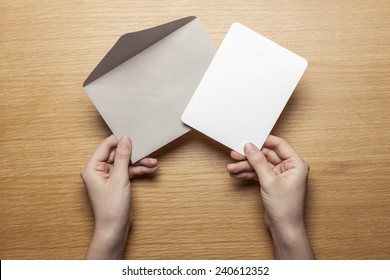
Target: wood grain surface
(337, 118)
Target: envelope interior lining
(131, 44)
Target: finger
(238, 167)
(280, 146)
(122, 158)
(245, 176)
(111, 157)
(148, 162)
(141, 170)
(271, 156)
(259, 163)
(237, 156)
(103, 151)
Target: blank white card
(244, 90)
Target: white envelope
(244, 90)
(143, 84)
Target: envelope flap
(131, 44)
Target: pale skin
(279, 169)
(107, 180)
(282, 175)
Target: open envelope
(144, 83)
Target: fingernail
(124, 142)
(250, 149)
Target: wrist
(111, 234)
(288, 234)
(291, 241)
(112, 228)
(108, 242)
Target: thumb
(259, 163)
(122, 158)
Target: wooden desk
(338, 119)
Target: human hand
(107, 180)
(282, 174)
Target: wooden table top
(337, 119)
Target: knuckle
(281, 140)
(131, 172)
(247, 176)
(107, 141)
